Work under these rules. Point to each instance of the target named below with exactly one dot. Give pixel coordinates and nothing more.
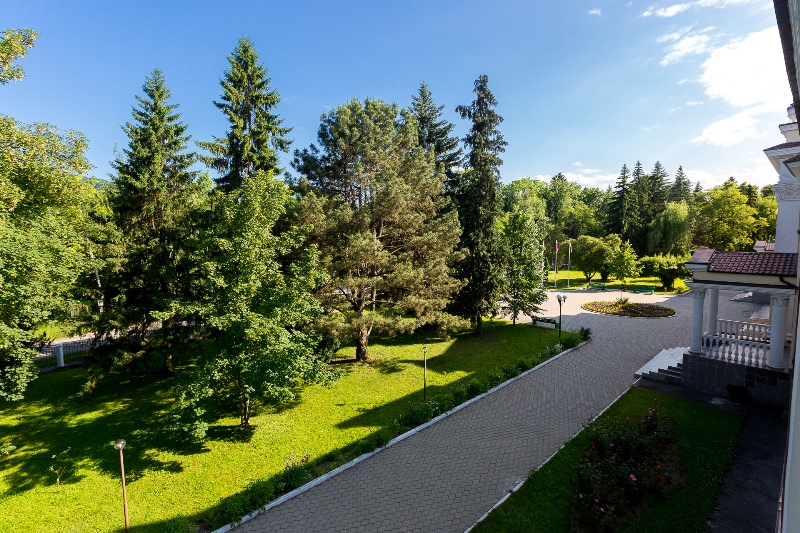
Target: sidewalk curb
(289, 495)
(521, 483)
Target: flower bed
(629, 309)
(628, 464)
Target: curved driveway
(445, 477)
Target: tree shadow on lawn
(88, 426)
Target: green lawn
(578, 281)
(172, 482)
(706, 438)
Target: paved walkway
(448, 475)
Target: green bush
(627, 463)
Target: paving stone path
(445, 477)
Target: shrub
(628, 463)
(585, 334)
(296, 470)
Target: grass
(578, 281)
(706, 439)
(173, 483)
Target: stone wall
(736, 381)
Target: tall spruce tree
(434, 131)
(681, 189)
(622, 212)
(256, 133)
(478, 199)
(656, 190)
(153, 199)
(640, 189)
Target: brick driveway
(448, 475)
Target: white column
(713, 307)
(697, 321)
(777, 337)
(791, 488)
(59, 355)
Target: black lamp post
(561, 299)
(425, 374)
(119, 445)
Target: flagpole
(555, 283)
(569, 261)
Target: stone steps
(671, 374)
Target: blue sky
(584, 85)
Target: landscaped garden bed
(689, 448)
(623, 307)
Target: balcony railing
(746, 331)
(742, 351)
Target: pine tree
(381, 219)
(681, 189)
(622, 212)
(657, 190)
(434, 132)
(478, 199)
(255, 134)
(640, 190)
(152, 200)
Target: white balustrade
(736, 329)
(746, 352)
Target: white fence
(748, 331)
(746, 352)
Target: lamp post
(561, 299)
(119, 445)
(425, 374)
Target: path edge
(521, 483)
(314, 482)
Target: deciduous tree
(523, 275)
(14, 44)
(256, 309)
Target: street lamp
(119, 445)
(561, 299)
(425, 374)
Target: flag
(556, 246)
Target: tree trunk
(244, 415)
(479, 325)
(362, 348)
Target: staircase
(671, 374)
(666, 367)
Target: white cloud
(693, 103)
(591, 179)
(692, 44)
(585, 170)
(734, 129)
(649, 128)
(748, 71)
(596, 11)
(674, 35)
(759, 172)
(749, 75)
(666, 12)
(724, 3)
